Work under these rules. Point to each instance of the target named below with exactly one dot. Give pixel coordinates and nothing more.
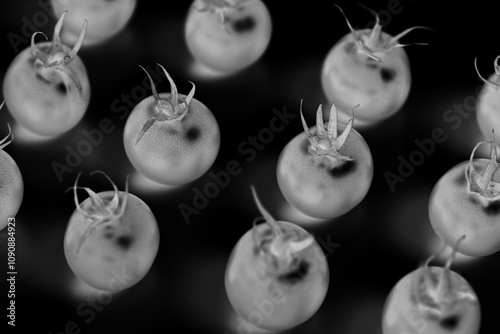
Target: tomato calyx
(167, 110)
(482, 185)
(100, 212)
(5, 142)
(325, 144)
(220, 8)
(375, 41)
(52, 64)
(496, 65)
(438, 295)
(279, 249)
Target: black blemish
(124, 242)
(350, 47)
(387, 74)
(346, 168)
(492, 209)
(243, 25)
(450, 322)
(192, 134)
(61, 88)
(296, 275)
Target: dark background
(382, 239)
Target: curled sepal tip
(484, 184)
(5, 141)
(35, 51)
(100, 211)
(167, 110)
(326, 142)
(497, 72)
(71, 54)
(394, 42)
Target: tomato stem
(371, 42)
(483, 185)
(170, 110)
(99, 212)
(437, 296)
(497, 72)
(327, 144)
(283, 247)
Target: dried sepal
(326, 143)
(99, 212)
(484, 184)
(372, 43)
(167, 110)
(497, 72)
(280, 248)
(438, 295)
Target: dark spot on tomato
(124, 242)
(350, 47)
(387, 74)
(192, 134)
(297, 274)
(450, 322)
(244, 24)
(344, 169)
(493, 208)
(61, 88)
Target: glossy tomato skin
(402, 314)
(106, 18)
(349, 77)
(275, 304)
(114, 256)
(317, 190)
(454, 212)
(11, 188)
(487, 107)
(45, 108)
(242, 42)
(172, 152)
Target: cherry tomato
(466, 201)
(277, 275)
(46, 87)
(111, 240)
(171, 138)
(11, 184)
(488, 103)
(432, 300)
(324, 174)
(368, 67)
(106, 18)
(228, 35)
